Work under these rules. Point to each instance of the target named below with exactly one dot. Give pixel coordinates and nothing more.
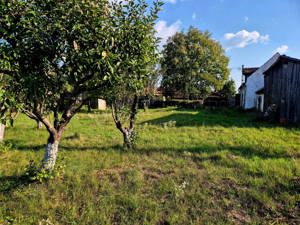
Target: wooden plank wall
(282, 88)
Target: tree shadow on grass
(246, 151)
(238, 150)
(20, 145)
(200, 119)
(10, 183)
(204, 117)
(92, 147)
(23, 146)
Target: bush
(35, 173)
(189, 104)
(169, 124)
(4, 147)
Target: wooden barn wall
(282, 88)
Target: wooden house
(253, 82)
(282, 89)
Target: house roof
(247, 71)
(242, 86)
(282, 59)
(252, 70)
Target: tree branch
(67, 116)
(29, 114)
(133, 112)
(116, 119)
(113, 112)
(38, 117)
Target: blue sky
(251, 31)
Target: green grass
(190, 167)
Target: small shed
(282, 89)
(97, 103)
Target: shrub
(4, 147)
(169, 124)
(189, 104)
(36, 174)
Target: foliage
(34, 173)
(169, 124)
(53, 52)
(4, 147)
(182, 103)
(236, 171)
(135, 66)
(193, 64)
(51, 49)
(135, 35)
(56, 54)
(153, 82)
(271, 114)
(61, 53)
(9, 106)
(228, 89)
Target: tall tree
(56, 55)
(135, 54)
(8, 105)
(228, 89)
(193, 64)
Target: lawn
(189, 167)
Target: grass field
(189, 167)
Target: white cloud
(243, 38)
(282, 49)
(194, 16)
(246, 19)
(164, 31)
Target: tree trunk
(50, 154)
(89, 106)
(2, 129)
(127, 132)
(127, 136)
(39, 125)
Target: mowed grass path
(190, 167)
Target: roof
(260, 91)
(263, 68)
(247, 71)
(282, 59)
(242, 86)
